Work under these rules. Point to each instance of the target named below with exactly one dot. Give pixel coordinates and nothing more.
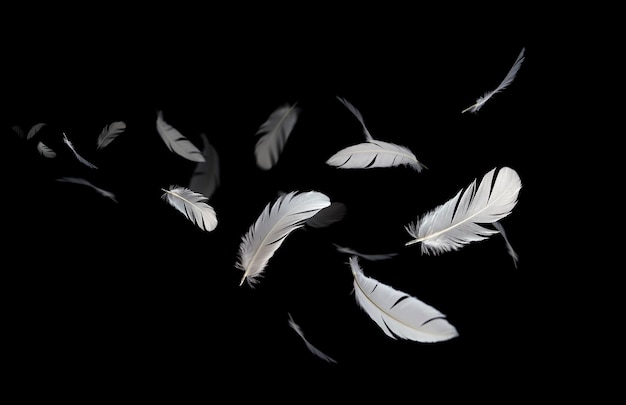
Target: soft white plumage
(289, 212)
(374, 153)
(274, 133)
(397, 313)
(193, 205)
(177, 142)
(507, 80)
(458, 221)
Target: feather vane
(193, 205)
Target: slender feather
(76, 154)
(398, 314)
(289, 212)
(457, 222)
(328, 216)
(372, 154)
(85, 182)
(206, 176)
(504, 84)
(193, 205)
(365, 256)
(308, 344)
(177, 142)
(35, 129)
(45, 151)
(358, 116)
(109, 133)
(509, 247)
(19, 131)
(274, 133)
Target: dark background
(132, 295)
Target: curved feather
(509, 247)
(505, 82)
(457, 222)
(35, 129)
(308, 344)
(80, 158)
(274, 134)
(289, 212)
(109, 133)
(398, 314)
(374, 153)
(335, 212)
(358, 116)
(193, 205)
(85, 182)
(206, 176)
(177, 142)
(45, 151)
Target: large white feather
(507, 80)
(374, 153)
(289, 212)
(193, 205)
(177, 142)
(274, 134)
(397, 313)
(458, 221)
(206, 176)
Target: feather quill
(397, 313)
(206, 176)
(193, 205)
(85, 182)
(109, 133)
(308, 344)
(177, 142)
(76, 154)
(504, 84)
(458, 221)
(274, 133)
(365, 256)
(289, 212)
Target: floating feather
(509, 247)
(109, 133)
(76, 154)
(34, 130)
(274, 133)
(457, 222)
(45, 151)
(308, 344)
(177, 142)
(206, 176)
(193, 205)
(365, 256)
(85, 182)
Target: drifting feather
(76, 154)
(457, 222)
(398, 314)
(509, 247)
(193, 205)
(507, 80)
(45, 151)
(308, 344)
(358, 116)
(34, 130)
(109, 133)
(278, 219)
(370, 257)
(274, 134)
(206, 176)
(19, 131)
(177, 142)
(328, 216)
(374, 153)
(80, 180)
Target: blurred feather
(193, 205)
(274, 133)
(206, 176)
(45, 151)
(177, 142)
(35, 129)
(370, 257)
(509, 247)
(109, 133)
(76, 154)
(328, 216)
(80, 180)
(308, 344)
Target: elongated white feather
(274, 133)
(397, 313)
(365, 256)
(35, 129)
(177, 142)
(289, 212)
(374, 153)
(76, 154)
(193, 205)
(509, 247)
(85, 182)
(308, 344)
(45, 151)
(504, 84)
(358, 116)
(109, 133)
(458, 221)
(206, 176)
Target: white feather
(365, 256)
(457, 222)
(35, 129)
(274, 133)
(308, 344)
(507, 80)
(289, 212)
(193, 205)
(397, 313)
(206, 176)
(76, 154)
(509, 247)
(358, 116)
(85, 182)
(374, 153)
(109, 133)
(177, 142)
(45, 151)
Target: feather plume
(509, 247)
(274, 133)
(45, 151)
(504, 84)
(193, 205)
(457, 222)
(398, 314)
(358, 116)
(34, 130)
(85, 182)
(206, 176)
(19, 131)
(289, 212)
(109, 133)
(177, 142)
(76, 154)
(308, 344)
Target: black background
(107, 296)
